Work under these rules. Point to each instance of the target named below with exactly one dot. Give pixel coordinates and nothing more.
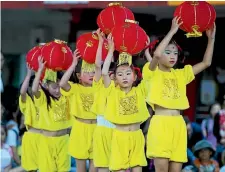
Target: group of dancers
(105, 107)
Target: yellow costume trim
(131, 21)
(58, 41)
(114, 4)
(195, 32)
(125, 58)
(50, 75)
(87, 67)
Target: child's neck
(164, 68)
(204, 161)
(126, 89)
(85, 84)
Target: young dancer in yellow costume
(81, 100)
(126, 108)
(167, 135)
(55, 120)
(31, 137)
(103, 132)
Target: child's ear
(78, 75)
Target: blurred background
(25, 24)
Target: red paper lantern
(32, 57)
(197, 16)
(114, 14)
(57, 54)
(129, 37)
(87, 44)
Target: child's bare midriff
(164, 111)
(128, 127)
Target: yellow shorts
(81, 140)
(127, 150)
(167, 138)
(102, 146)
(29, 154)
(53, 154)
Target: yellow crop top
(99, 104)
(81, 100)
(29, 111)
(126, 108)
(55, 117)
(168, 89)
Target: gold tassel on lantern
(195, 32)
(125, 58)
(50, 75)
(87, 67)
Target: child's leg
(136, 169)
(103, 170)
(81, 165)
(161, 164)
(92, 168)
(175, 166)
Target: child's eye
(167, 52)
(129, 73)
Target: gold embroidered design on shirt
(170, 89)
(37, 113)
(61, 110)
(87, 101)
(128, 105)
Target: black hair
(211, 106)
(74, 77)
(46, 92)
(181, 54)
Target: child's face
(3, 134)
(170, 56)
(205, 154)
(125, 76)
(87, 77)
(215, 109)
(54, 89)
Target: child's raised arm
(164, 43)
(207, 59)
(147, 54)
(98, 59)
(37, 78)
(108, 60)
(64, 84)
(25, 85)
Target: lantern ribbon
(137, 69)
(195, 32)
(87, 67)
(125, 58)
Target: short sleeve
(42, 99)
(144, 86)
(98, 84)
(188, 73)
(73, 88)
(23, 105)
(11, 139)
(109, 89)
(146, 72)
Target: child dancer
(54, 121)
(126, 108)
(103, 132)
(167, 135)
(31, 137)
(81, 100)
